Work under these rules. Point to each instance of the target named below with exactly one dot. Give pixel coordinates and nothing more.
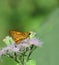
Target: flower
(35, 42)
(21, 49)
(23, 43)
(8, 49)
(8, 40)
(32, 41)
(1, 52)
(13, 47)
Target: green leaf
(31, 62)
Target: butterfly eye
(29, 33)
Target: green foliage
(49, 34)
(46, 5)
(31, 62)
(30, 15)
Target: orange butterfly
(19, 36)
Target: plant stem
(16, 57)
(31, 50)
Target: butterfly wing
(19, 36)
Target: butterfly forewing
(19, 36)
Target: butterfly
(19, 36)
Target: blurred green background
(40, 16)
